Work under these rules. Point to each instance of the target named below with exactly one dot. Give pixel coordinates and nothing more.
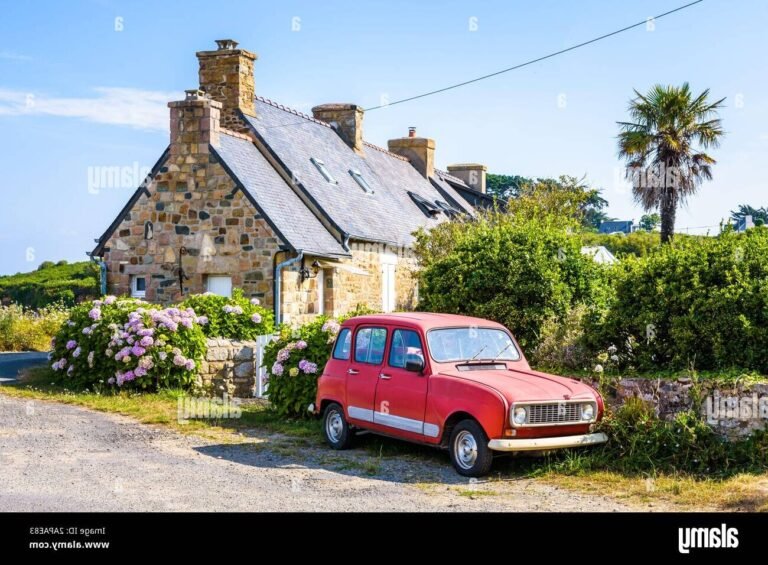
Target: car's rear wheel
(336, 428)
(469, 450)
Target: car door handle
(385, 376)
(352, 371)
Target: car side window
(404, 343)
(370, 344)
(343, 344)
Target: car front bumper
(546, 443)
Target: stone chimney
(420, 151)
(194, 125)
(346, 119)
(471, 173)
(226, 75)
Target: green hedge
(700, 302)
(62, 283)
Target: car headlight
(519, 415)
(587, 411)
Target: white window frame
(210, 278)
(135, 292)
(320, 284)
(388, 262)
(323, 170)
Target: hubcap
(465, 448)
(334, 426)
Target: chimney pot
(226, 44)
(412, 131)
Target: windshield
(464, 344)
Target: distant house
(618, 226)
(296, 210)
(599, 254)
(743, 224)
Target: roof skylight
(323, 170)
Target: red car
(449, 381)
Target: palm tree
(664, 146)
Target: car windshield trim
(512, 353)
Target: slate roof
(275, 199)
(471, 197)
(389, 215)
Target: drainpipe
(102, 274)
(278, 278)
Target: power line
(532, 61)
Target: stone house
(296, 210)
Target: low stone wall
(229, 367)
(733, 410)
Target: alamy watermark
(191, 408)
(101, 177)
(743, 408)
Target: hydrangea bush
(235, 318)
(128, 343)
(294, 361)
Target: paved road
(12, 363)
(56, 457)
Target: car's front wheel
(470, 454)
(336, 428)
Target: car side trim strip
(392, 421)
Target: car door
(401, 395)
(364, 369)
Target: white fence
(260, 388)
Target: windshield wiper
(483, 348)
(502, 351)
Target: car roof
(424, 320)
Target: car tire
(336, 429)
(470, 454)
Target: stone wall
(195, 206)
(229, 367)
(733, 410)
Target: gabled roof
(387, 215)
(275, 200)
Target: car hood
(519, 386)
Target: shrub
(700, 302)
(128, 343)
(234, 318)
(294, 362)
(561, 343)
(518, 269)
(22, 329)
(639, 442)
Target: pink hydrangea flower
(256, 318)
(95, 314)
(71, 344)
(277, 369)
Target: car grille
(557, 413)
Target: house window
(424, 205)
(138, 286)
(323, 171)
(219, 285)
(361, 181)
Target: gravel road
(55, 457)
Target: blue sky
(84, 85)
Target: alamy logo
(707, 538)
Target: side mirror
(414, 363)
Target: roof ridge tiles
(291, 111)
